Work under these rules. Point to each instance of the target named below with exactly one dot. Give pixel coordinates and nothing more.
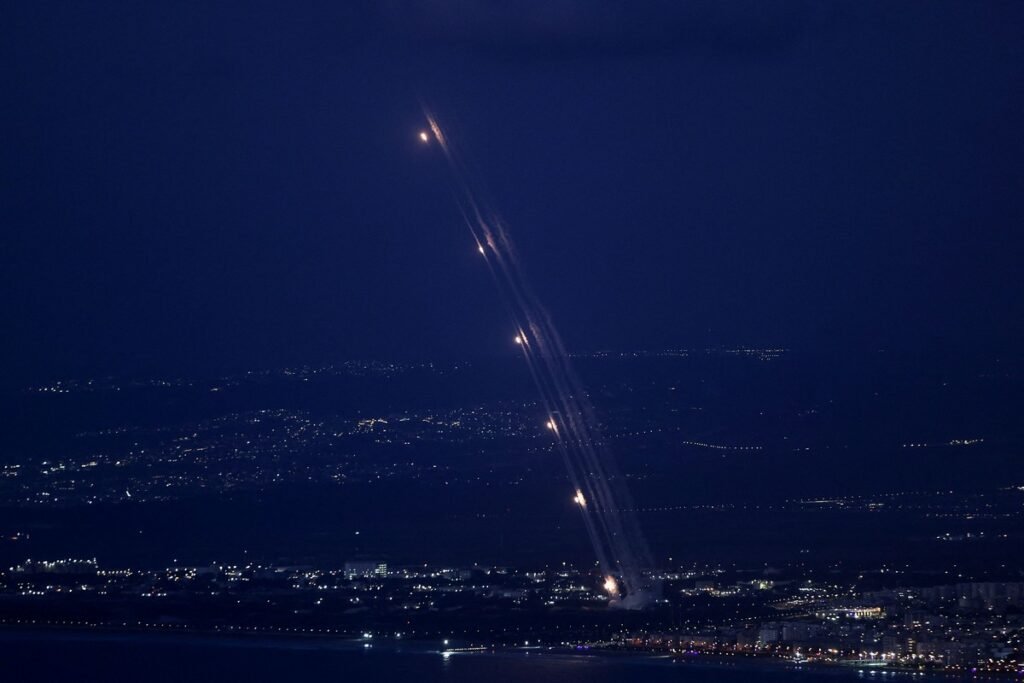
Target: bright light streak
(615, 534)
(438, 134)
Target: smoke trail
(600, 490)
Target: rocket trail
(599, 489)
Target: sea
(86, 657)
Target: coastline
(222, 639)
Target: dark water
(83, 657)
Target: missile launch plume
(599, 489)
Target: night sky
(210, 186)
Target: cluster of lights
(720, 447)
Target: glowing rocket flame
(618, 543)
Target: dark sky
(204, 186)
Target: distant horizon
(153, 372)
